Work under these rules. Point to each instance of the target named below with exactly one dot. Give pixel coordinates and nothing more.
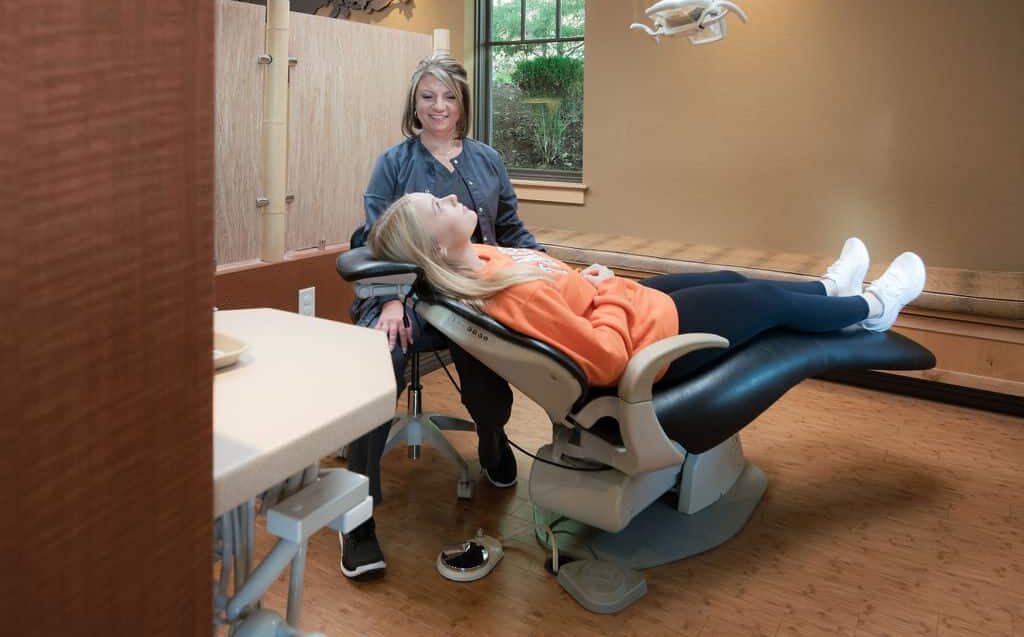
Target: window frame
(482, 82)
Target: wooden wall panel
(276, 285)
(239, 90)
(106, 446)
(348, 92)
(988, 357)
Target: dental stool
(416, 427)
(644, 474)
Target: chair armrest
(638, 379)
(645, 447)
(375, 277)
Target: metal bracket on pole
(266, 58)
(265, 201)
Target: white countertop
(304, 388)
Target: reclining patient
(600, 320)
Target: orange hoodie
(599, 328)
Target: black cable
(459, 389)
(557, 521)
(556, 464)
(441, 362)
(448, 373)
(521, 450)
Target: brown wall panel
(106, 448)
(277, 285)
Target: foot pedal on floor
(602, 587)
(470, 560)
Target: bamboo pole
(275, 132)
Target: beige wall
(817, 120)
(422, 16)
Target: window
(529, 85)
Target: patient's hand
(391, 323)
(596, 273)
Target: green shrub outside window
(529, 85)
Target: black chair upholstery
(721, 399)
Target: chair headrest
(359, 263)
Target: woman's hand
(596, 273)
(392, 323)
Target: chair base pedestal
(414, 430)
(660, 534)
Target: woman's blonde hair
(446, 69)
(400, 235)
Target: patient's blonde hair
(400, 235)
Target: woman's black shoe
(361, 557)
(504, 475)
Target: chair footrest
(333, 494)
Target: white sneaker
(900, 284)
(849, 270)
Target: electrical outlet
(307, 301)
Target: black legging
(739, 308)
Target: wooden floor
(884, 515)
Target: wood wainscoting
(277, 285)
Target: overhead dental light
(703, 21)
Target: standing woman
(438, 157)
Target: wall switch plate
(307, 301)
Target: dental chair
(642, 474)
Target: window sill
(550, 191)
